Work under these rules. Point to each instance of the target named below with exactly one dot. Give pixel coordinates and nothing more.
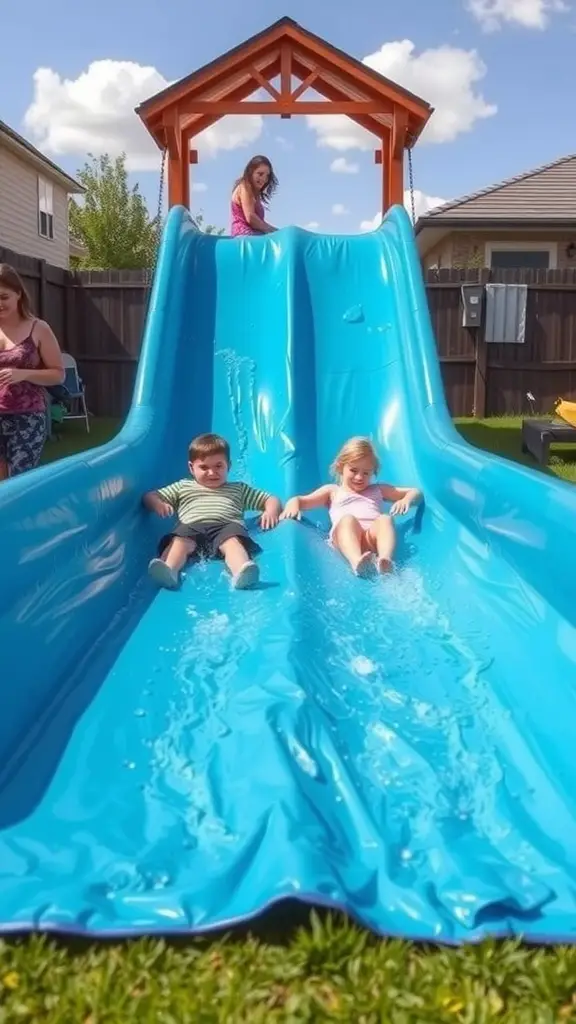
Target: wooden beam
(383, 161)
(393, 168)
(193, 124)
(223, 107)
(308, 81)
(193, 155)
(264, 83)
(395, 182)
(362, 78)
(171, 128)
(344, 83)
(175, 192)
(212, 75)
(285, 71)
(178, 165)
(399, 130)
(333, 94)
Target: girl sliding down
(360, 530)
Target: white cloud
(447, 77)
(493, 14)
(343, 166)
(422, 204)
(284, 143)
(95, 113)
(199, 186)
(339, 210)
(312, 225)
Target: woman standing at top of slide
(252, 193)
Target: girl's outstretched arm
(316, 499)
(403, 497)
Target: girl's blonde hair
(353, 450)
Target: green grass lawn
(500, 435)
(322, 969)
(326, 970)
(70, 438)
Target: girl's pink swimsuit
(240, 225)
(365, 506)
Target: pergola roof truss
(282, 65)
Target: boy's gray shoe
(163, 575)
(246, 577)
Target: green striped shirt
(194, 503)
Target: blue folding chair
(76, 397)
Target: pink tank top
(22, 397)
(240, 225)
(365, 506)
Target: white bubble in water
(362, 666)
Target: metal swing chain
(152, 269)
(411, 184)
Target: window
(526, 255)
(45, 208)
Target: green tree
(207, 229)
(112, 221)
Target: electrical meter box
(472, 296)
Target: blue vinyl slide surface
(401, 748)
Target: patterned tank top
(240, 225)
(23, 397)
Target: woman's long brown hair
(270, 186)
(11, 280)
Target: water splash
(354, 315)
(235, 367)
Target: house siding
(465, 250)
(19, 212)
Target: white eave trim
(47, 170)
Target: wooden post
(380, 160)
(178, 161)
(392, 171)
(395, 162)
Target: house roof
(546, 194)
(27, 150)
(329, 71)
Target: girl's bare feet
(364, 564)
(384, 565)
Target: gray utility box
(472, 296)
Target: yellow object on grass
(566, 411)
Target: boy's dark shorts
(210, 536)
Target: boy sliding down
(210, 513)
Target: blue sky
(525, 68)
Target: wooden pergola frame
(282, 53)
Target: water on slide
(401, 748)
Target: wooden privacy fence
(99, 318)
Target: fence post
(67, 312)
(480, 364)
(42, 290)
(480, 371)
